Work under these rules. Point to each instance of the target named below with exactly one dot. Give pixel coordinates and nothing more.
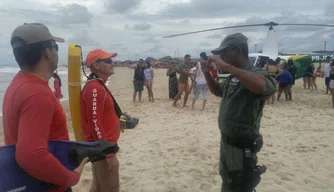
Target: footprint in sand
(285, 176)
(269, 145)
(323, 145)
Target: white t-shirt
(327, 70)
(200, 75)
(148, 74)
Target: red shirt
(31, 116)
(99, 118)
(57, 88)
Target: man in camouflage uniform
(244, 94)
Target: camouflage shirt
(240, 109)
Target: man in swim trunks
(244, 94)
(183, 81)
(100, 119)
(32, 115)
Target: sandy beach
(177, 150)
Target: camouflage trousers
(232, 170)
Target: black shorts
(327, 80)
(283, 85)
(308, 74)
(138, 85)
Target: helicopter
(270, 47)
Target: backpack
(139, 74)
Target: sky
(134, 28)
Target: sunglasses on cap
(107, 60)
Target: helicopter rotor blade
(270, 24)
(318, 25)
(214, 29)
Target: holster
(254, 145)
(251, 175)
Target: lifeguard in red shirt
(32, 115)
(100, 118)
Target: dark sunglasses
(108, 60)
(52, 45)
(56, 47)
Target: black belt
(238, 143)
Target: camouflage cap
(31, 33)
(232, 39)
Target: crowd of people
(177, 86)
(284, 74)
(32, 114)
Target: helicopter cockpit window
(251, 60)
(262, 61)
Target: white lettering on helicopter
(96, 128)
(320, 57)
(18, 189)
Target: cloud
(205, 44)
(82, 38)
(151, 40)
(215, 36)
(75, 14)
(198, 9)
(121, 6)
(139, 27)
(330, 10)
(136, 27)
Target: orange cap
(97, 54)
